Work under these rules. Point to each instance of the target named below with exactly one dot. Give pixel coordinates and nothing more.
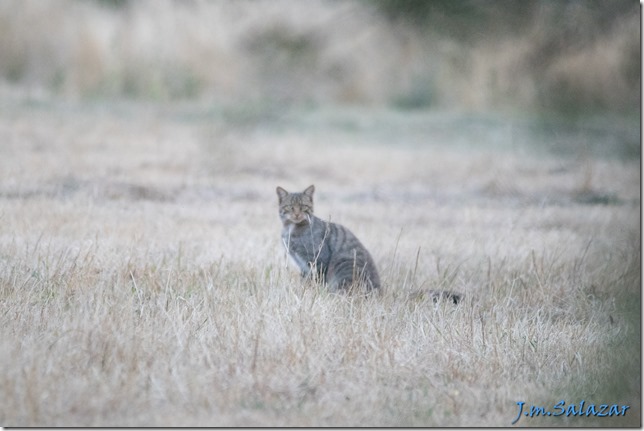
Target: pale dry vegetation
(142, 281)
(537, 55)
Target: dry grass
(142, 281)
(320, 51)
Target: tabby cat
(324, 251)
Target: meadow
(143, 282)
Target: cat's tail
(437, 295)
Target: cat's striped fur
(324, 251)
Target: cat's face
(296, 208)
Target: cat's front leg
(305, 267)
(312, 272)
(305, 273)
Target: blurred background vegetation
(569, 57)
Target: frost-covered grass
(142, 281)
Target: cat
(324, 251)
(331, 253)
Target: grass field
(143, 283)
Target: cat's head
(296, 208)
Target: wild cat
(330, 253)
(324, 251)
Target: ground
(143, 283)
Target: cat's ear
(281, 193)
(309, 191)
